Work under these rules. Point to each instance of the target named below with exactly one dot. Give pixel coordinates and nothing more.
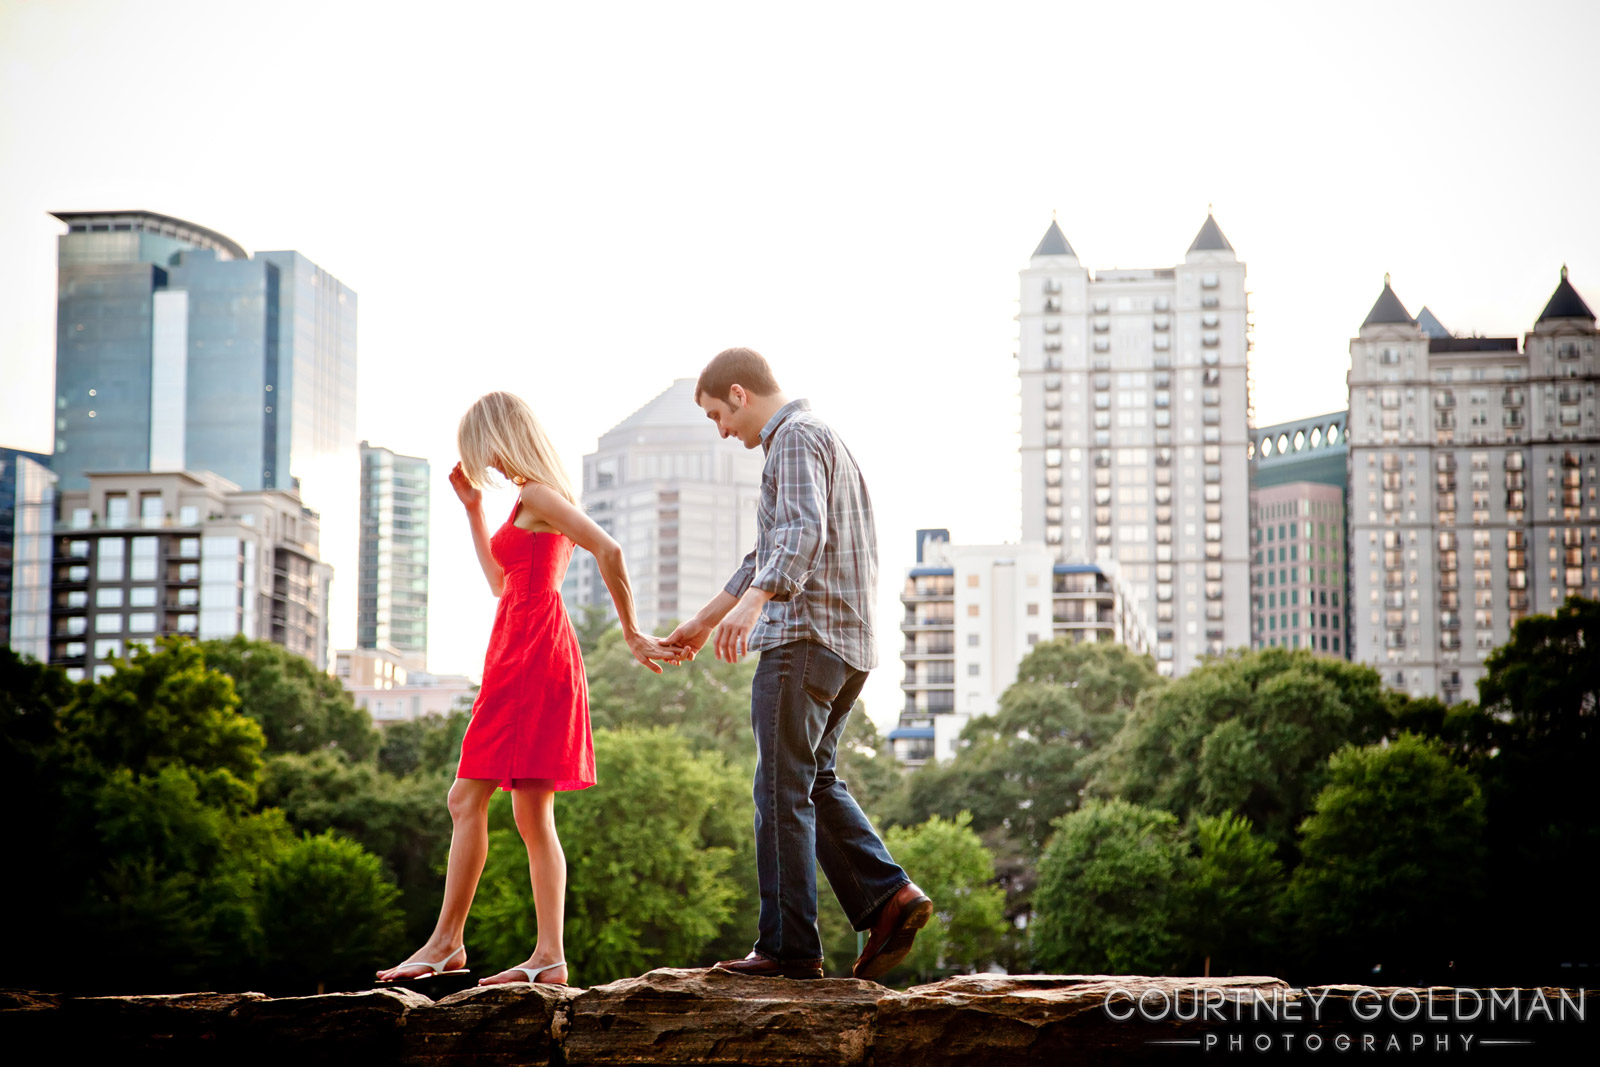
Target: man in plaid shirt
(803, 599)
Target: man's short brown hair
(735, 366)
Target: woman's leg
(533, 805)
(469, 848)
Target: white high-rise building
(972, 613)
(679, 500)
(1135, 422)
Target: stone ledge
(678, 1016)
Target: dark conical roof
(1388, 309)
(1565, 303)
(1210, 238)
(1430, 324)
(1054, 243)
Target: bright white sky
(581, 202)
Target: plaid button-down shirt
(816, 545)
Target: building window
(973, 669)
(972, 610)
(110, 561)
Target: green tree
(1025, 766)
(1392, 868)
(300, 708)
(164, 707)
(1541, 699)
(430, 744)
(1229, 905)
(705, 700)
(645, 889)
(405, 822)
(327, 912)
(1112, 892)
(31, 782)
(169, 878)
(1249, 733)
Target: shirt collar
(780, 416)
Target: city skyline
(862, 231)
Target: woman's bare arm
(556, 511)
(472, 498)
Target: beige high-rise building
(142, 554)
(1135, 422)
(679, 500)
(1472, 487)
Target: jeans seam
(772, 809)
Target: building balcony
(912, 686)
(911, 655)
(921, 624)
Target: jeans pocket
(824, 673)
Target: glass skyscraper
(27, 504)
(392, 588)
(177, 351)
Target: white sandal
(434, 969)
(533, 973)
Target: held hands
(647, 650)
(690, 637)
(470, 494)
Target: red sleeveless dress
(531, 718)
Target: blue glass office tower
(177, 351)
(27, 504)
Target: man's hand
(733, 636)
(690, 636)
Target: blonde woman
(529, 732)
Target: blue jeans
(799, 704)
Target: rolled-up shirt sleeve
(800, 519)
(741, 577)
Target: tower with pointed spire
(1134, 427)
(1472, 482)
(1564, 435)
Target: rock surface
(674, 1016)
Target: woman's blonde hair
(502, 425)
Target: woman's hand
(647, 650)
(470, 494)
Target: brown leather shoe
(762, 967)
(892, 934)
